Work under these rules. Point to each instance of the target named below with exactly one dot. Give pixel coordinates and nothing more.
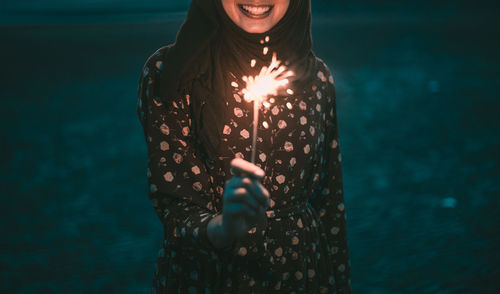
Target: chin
(256, 28)
(255, 16)
(256, 23)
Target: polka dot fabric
(302, 245)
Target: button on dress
(302, 245)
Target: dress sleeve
(180, 186)
(328, 196)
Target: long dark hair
(210, 51)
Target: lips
(256, 11)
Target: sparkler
(258, 88)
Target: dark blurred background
(417, 87)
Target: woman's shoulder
(151, 80)
(323, 72)
(155, 61)
(325, 81)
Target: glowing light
(267, 82)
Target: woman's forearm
(216, 234)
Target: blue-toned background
(419, 113)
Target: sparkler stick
(256, 106)
(266, 83)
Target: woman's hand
(244, 204)
(245, 199)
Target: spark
(267, 82)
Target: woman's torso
(290, 137)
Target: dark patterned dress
(302, 246)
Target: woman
(278, 225)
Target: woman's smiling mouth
(256, 11)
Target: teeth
(256, 10)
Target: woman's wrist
(217, 235)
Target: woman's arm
(328, 199)
(180, 187)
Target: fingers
(240, 212)
(241, 195)
(242, 168)
(258, 191)
(237, 209)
